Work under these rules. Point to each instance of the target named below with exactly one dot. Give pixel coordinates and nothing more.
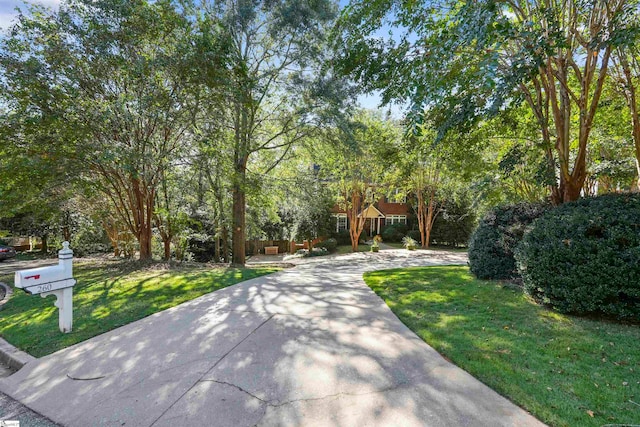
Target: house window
(401, 197)
(397, 196)
(396, 219)
(341, 223)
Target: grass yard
(109, 295)
(567, 371)
(30, 256)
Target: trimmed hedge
(583, 257)
(492, 245)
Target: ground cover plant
(567, 371)
(109, 294)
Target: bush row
(582, 257)
(492, 246)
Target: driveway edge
(10, 355)
(8, 291)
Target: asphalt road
(10, 266)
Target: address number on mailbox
(43, 288)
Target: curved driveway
(308, 346)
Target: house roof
(371, 212)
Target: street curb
(8, 291)
(9, 355)
(12, 357)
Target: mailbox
(54, 280)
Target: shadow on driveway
(308, 346)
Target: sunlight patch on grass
(106, 296)
(558, 367)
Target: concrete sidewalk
(308, 346)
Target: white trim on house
(341, 222)
(396, 196)
(371, 212)
(395, 219)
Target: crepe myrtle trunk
(142, 206)
(144, 239)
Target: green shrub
(202, 246)
(343, 238)
(584, 257)
(330, 244)
(394, 232)
(409, 243)
(415, 235)
(492, 245)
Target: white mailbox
(55, 280)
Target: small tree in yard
(359, 170)
(425, 182)
(422, 173)
(356, 195)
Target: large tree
(626, 72)
(270, 103)
(110, 83)
(459, 61)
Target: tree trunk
(221, 229)
(421, 218)
(429, 219)
(356, 224)
(113, 234)
(225, 244)
(216, 247)
(167, 249)
(239, 211)
(632, 103)
(144, 198)
(144, 239)
(45, 248)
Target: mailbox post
(55, 280)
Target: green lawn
(567, 371)
(108, 295)
(30, 256)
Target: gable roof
(371, 212)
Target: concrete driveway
(308, 346)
